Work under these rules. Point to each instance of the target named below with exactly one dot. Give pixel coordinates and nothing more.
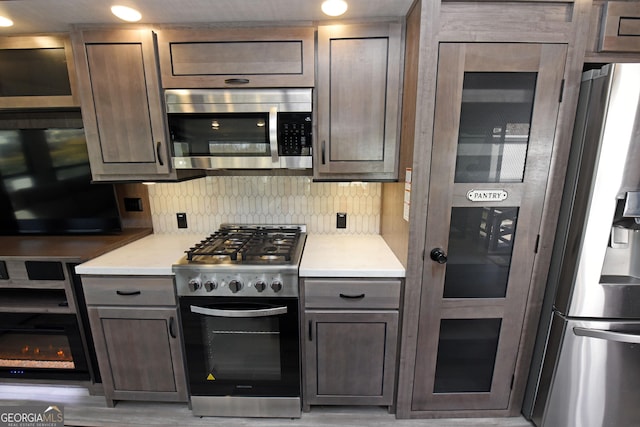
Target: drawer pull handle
(237, 81)
(127, 293)
(345, 296)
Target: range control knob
(276, 285)
(210, 285)
(235, 286)
(195, 284)
(260, 286)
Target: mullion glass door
(494, 126)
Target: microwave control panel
(294, 134)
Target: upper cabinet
(614, 32)
(236, 57)
(122, 105)
(358, 101)
(37, 72)
(620, 27)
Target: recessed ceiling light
(334, 7)
(5, 22)
(126, 13)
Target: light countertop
(349, 256)
(323, 256)
(151, 255)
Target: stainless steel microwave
(240, 128)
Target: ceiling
(43, 16)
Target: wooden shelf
(34, 300)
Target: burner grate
(247, 244)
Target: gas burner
(243, 261)
(247, 245)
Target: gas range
(243, 260)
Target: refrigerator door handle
(607, 335)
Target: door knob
(438, 255)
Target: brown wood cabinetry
(37, 72)
(134, 321)
(236, 57)
(122, 105)
(358, 92)
(620, 27)
(495, 117)
(350, 341)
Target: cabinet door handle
(172, 324)
(310, 330)
(237, 81)
(159, 151)
(127, 293)
(345, 296)
(322, 153)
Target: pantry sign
(487, 195)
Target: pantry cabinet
(134, 321)
(358, 102)
(122, 105)
(495, 117)
(236, 57)
(350, 342)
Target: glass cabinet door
(495, 118)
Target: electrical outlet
(133, 204)
(341, 220)
(182, 219)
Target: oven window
(242, 349)
(220, 134)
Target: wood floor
(82, 409)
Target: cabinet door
(121, 104)
(359, 69)
(139, 353)
(495, 119)
(237, 57)
(620, 27)
(350, 357)
(37, 72)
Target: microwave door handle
(273, 134)
(607, 335)
(214, 312)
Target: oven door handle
(214, 312)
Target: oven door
(241, 346)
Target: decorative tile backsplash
(213, 200)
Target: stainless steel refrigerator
(586, 365)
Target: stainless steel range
(238, 293)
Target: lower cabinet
(134, 322)
(350, 342)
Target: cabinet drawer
(128, 290)
(326, 293)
